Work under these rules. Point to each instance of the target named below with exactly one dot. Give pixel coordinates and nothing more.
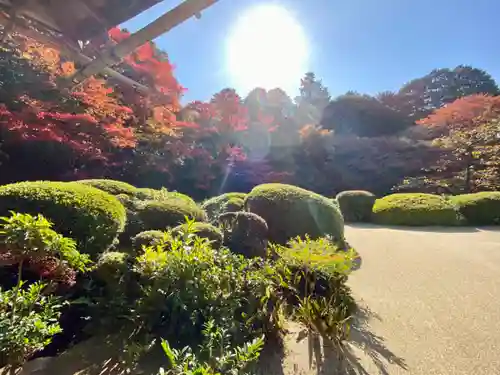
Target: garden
(196, 233)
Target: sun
(267, 48)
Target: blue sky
(362, 45)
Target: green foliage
(222, 203)
(92, 217)
(202, 230)
(245, 233)
(29, 317)
(147, 238)
(316, 273)
(111, 266)
(25, 237)
(291, 211)
(113, 187)
(167, 214)
(356, 205)
(150, 194)
(28, 320)
(479, 208)
(215, 356)
(415, 209)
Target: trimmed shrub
(291, 211)
(150, 194)
(416, 209)
(111, 266)
(203, 230)
(479, 208)
(167, 214)
(245, 233)
(113, 187)
(356, 205)
(147, 238)
(234, 205)
(221, 203)
(91, 216)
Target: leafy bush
(92, 217)
(479, 208)
(190, 292)
(28, 317)
(415, 209)
(222, 203)
(317, 276)
(167, 214)
(147, 238)
(28, 321)
(113, 187)
(215, 356)
(202, 230)
(245, 233)
(234, 205)
(111, 266)
(356, 205)
(291, 211)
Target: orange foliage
(465, 112)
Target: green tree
(362, 115)
(312, 101)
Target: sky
(362, 45)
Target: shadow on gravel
(435, 229)
(370, 345)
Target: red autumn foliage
(465, 112)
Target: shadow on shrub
(356, 205)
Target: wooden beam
(163, 24)
(77, 56)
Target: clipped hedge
(245, 233)
(147, 238)
(204, 230)
(479, 208)
(222, 203)
(167, 214)
(91, 216)
(291, 211)
(415, 209)
(356, 205)
(110, 186)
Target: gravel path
(434, 300)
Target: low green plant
(356, 205)
(317, 272)
(28, 317)
(214, 356)
(416, 209)
(28, 321)
(203, 230)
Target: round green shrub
(147, 238)
(167, 214)
(245, 233)
(150, 194)
(479, 208)
(204, 230)
(291, 211)
(110, 186)
(111, 266)
(356, 205)
(219, 204)
(90, 216)
(415, 209)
